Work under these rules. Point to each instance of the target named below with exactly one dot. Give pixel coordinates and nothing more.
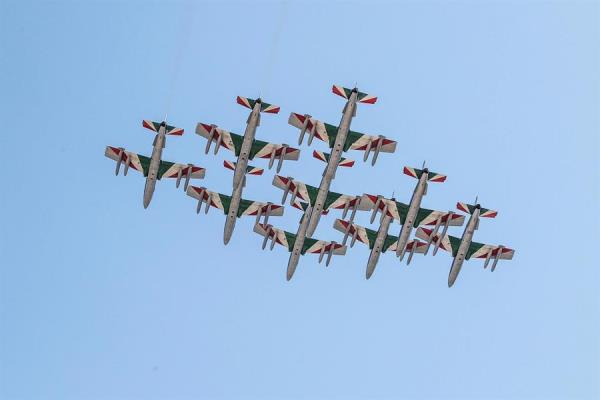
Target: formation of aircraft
(431, 225)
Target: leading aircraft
(339, 138)
(245, 148)
(464, 248)
(154, 168)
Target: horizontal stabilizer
(344, 162)
(250, 170)
(417, 173)
(264, 107)
(346, 93)
(470, 209)
(155, 126)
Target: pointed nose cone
(227, 236)
(369, 272)
(229, 225)
(292, 263)
(450, 281)
(147, 201)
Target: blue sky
(101, 299)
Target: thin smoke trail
(271, 58)
(182, 40)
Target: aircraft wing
(314, 127)
(362, 234)
(250, 207)
(480, 250)
(315, 246)
(447, 243)
(366, 142)
(262, 149)
(132, 160)
(395, 209)
(430, 217)
(304, 192)
(223, 202)
(228, 140)
(173, 170)
(343, 202)
(280, 236)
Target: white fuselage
(298, 244)
(159, 145)
(334, 160)
(411, 215)
(465, 242)
(249, 134)
(234, 206)
(239, 174)
(378, 245)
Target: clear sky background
(101, 299)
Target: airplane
(232, 210)
(154, 168)
(309, 194)
(464, 248)
(299, 244)
(378, 241)
(340, 139)
(408, 215)
(245, 148)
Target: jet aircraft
(245, 148)
(464, 248)
(408, 215)
(299, 244)
(339, 139)
(154, 168)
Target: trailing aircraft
(245, 148)
(377, 241)
(299, 244)
(154, 168)
(339, 139)
(464, 248)
(408, 215)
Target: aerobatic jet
(408, 215)
(154, 168)
(339, 139)
(309, 194)
(378, 241)
(464, 248)
(245, 148)
(299, 244)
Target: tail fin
(344, 162)
(417, 173)
(264, 107)
(361, 97)
(249, 169)
(470, 209)
(155, 126)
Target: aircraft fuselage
(231, 218)
(378, 245)
(249, 134)
(465, 242)
(298, 244)
(159, 145)
(239, 174)
(334, 160)
(411, 215)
